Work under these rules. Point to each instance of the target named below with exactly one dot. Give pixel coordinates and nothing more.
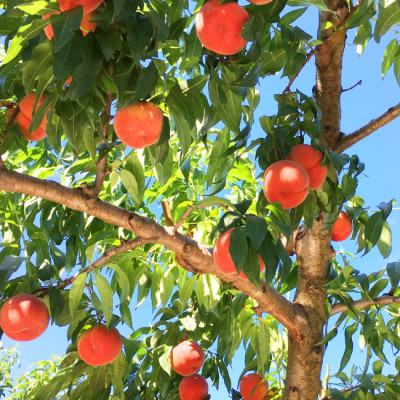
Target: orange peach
(88, 5)
(219, 27)
(342, 227)
(252, 387)
(24, 317)
(99, 346)
(139, 125)
(193, 387)
(286, 182)
(223, 259)
(187, 358)
(24, 117)
(310, 159)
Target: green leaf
(393, 271)
(39, 7)
(38, 67)
(385, 241)
(8, 266)
(256, 229)
(25, 33)
(64, 26)
(316, 3)
(363, 14)
(238, 248)
(213, 201)
(218, 163)
(147, 82)
(76, 293)
(348, 334)
(187, 289)
(227, 104)
(388, 16)
(131, 185)
(106, 295)
(373, 228)
(391, 51)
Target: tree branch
(363, 304)
(190, 253)
(347, 141)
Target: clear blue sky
(379, 182)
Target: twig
(307, 59)
(107, 256)
(352, 87)
(363, 304)
(92, 191)
(347, 141)
(167, 213)
(184, 216)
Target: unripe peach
(193, 387)
(342, 227)
(219, 27)
(88, 5)
(252, 387)
(223, 259)
(310, 159)
(98, 346)
(286, 182)
(24, 317)
(187, 358)
(139, 125)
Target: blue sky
(379, 182)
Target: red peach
(139, 125)
(193, 387)
(98, 346)
(252, 387)
(88, 5)
(223, 259)
(24, 317)
(219, 27)
(286, 182)
(342, 227)
(187, 358)
(310, 159)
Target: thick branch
(363, 304)
(191, 253)
(347, 141)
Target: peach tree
(96, 228)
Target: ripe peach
(187, 358)
(88, 5)
(139, 125)
(219, 27)
(223, 259)
(98, 346)
(86, 25)
(310, 159)
(193, 387)
(342, 227)
(252, 387)
(24, 117)
(24, 317)
(287, 183)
